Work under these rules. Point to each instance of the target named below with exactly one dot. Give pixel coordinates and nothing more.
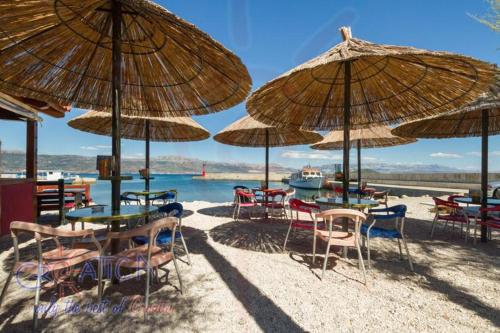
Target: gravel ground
(241, 281)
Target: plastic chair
(382, 198)
(396, 214)
(174, 209)
(448, 211)
(339, 238)
(58, 259)
(244, 199)
(299, 206)
(276, 202)
(148, 257)
(492, 222)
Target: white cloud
(89, 148)
(96, 147)
(474, 153)
(310, 155)
(446, 155)
(132, 156)
(369, 159)
(495, 153)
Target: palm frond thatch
(248, 132)
(371, 137)
(170, 129)
(60, 51)
(465, 122)
(389, 84)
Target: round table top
(467, 200)
(352, 203)
(105, 215)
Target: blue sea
(189, 189)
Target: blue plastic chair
(128, 200)
(396, 214)
(174, 209)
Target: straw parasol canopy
(480, 118)
(248, 132)
(371, 137)
(61, 51)
(178, 129)
(388, 84)
(466, 122)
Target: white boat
(308, 178)
(52, 175)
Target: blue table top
(466, 200)
(352, 203)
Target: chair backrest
(242, 196)
(399, 210)
(240, 187)
(297, 205)
(330, 216)
(445, 203)
(172, 209)
(454, 196)
(382, 195)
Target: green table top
(352, 203)
(97, 216)
(144, 193)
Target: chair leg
(360, 258)
(368, 254)
(433, 226)
(475, 234)
(146, 294)
(178, 275)
(314, 248)
(286, 238)
(410, 261)
(99, 280)
(185, 249)
(326, 260)
(37, 297)
(6, 286)
(400, 251)
(234, 212)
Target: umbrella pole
(347, 128)
(267, 158)
(359, 166)
(147, 176)
(484, 172)
(116, 12)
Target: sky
(272, 37)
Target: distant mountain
(399, 168)
(15, 162)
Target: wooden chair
(337, 237)
(148, 256)
(59, 259)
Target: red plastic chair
(299, 206)
(492, 222)
(448, 211)
(275, 201)
(243, 199)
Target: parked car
(494, 190)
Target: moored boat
(307, 178)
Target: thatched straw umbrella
(130, 56)
(360, 84)
(248, 132)
(481, 118)
(371, 137)
(171, 129)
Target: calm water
(188, 188)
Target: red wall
(16, 203)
